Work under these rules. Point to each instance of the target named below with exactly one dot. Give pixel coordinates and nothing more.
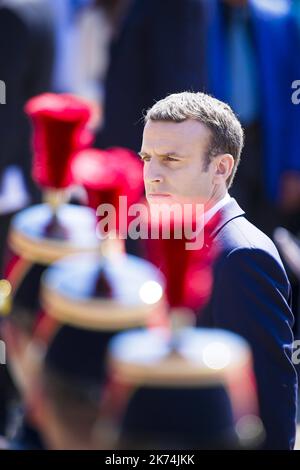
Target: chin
(160, 199)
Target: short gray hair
(227, 135)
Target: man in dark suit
(191, 149)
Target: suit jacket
(251, 296)
(26, 56)
(158, 50)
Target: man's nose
(152, 173)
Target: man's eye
(145, 158)
(171, 159)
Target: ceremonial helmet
(191, 388)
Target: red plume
(98, 174)
(59, 130)
(108, 174)
(131, 166)
(188, 273)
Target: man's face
(174, 156)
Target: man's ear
(223, 167)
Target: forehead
(170, 136)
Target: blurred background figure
(290, 184)
(82, 35)
(26, 58)
(251, 50)
(156, 49)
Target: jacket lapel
(229, 212)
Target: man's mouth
(157, 195)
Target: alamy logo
(154, 221)
(296, 93)
(2, 92)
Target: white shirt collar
(213, 210)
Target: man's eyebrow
(168, 154)
(143, 154)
